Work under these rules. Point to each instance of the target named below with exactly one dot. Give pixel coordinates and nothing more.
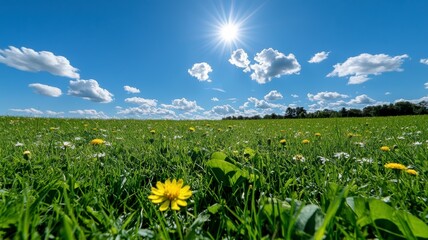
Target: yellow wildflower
(26, 154)
(152, 131)
(412, 172)
(385, 148)
(171, 193)
(317, 134)
(97, 141)
(192, 129)
(305, 141)
(282, 141)
(397, 166)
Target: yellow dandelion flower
(170, 194)
(317, 134)
(412, 172)
(152, 131)
(26, 154)
(350, 135)
(397, 166)
(283, 141)
(385, 148)
(97, 141)
(192, 129)
(305, 141)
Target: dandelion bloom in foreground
(283, 141)
(305, 141)
(97, 141)
(397, 166)
(171, 193)
(317, 134)
(192, 129)
(385, 148)
(412, 172)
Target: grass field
(265, 179)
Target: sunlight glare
(229, 32)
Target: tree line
(396, 109)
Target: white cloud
(53, 113)
(387, 93)
(262, 104)
(184, 105)
(319, 57)
(426, 85)
(325, 96)
(359, 67)
(223, 110)
(27, 59)
(362, 99)
(294, 95)
(214, 99)
(200, 71)
(90, 113)
(424, 61)
(28, 110)
(358, 79)
(148, 112)
(272, 63)
(239, 58)
(142, 101)
(413, 100)
(45, 90)
(218, 90)
(89, 90)
(131, 89)
(273, 95)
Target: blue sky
(195, 59)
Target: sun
(229, 32)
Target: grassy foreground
(266, 179)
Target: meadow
(265, 179)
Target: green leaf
(380, 210)
(218, 156)
(213, 209)
(309, 219)
(249, 153)
(227, 173)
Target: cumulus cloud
(89, 90)
(362, 99)
(223, 110)
(262, 104)
(272, 63)
(319, 57)
(27, 110)
(358, 68)
(424, 61)
(415, 101)
(45, 90)
(200, 71)
(273, 95)
(239, 58)
(184, 105)
(214, 99)
(26, 59)
(387, 93)
(53, 113)
(294, 95)
(426, 85)
(142, 101)
(325, 96)
(147, 112)
(131, 89)
(90, 113)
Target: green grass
(245, 184)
